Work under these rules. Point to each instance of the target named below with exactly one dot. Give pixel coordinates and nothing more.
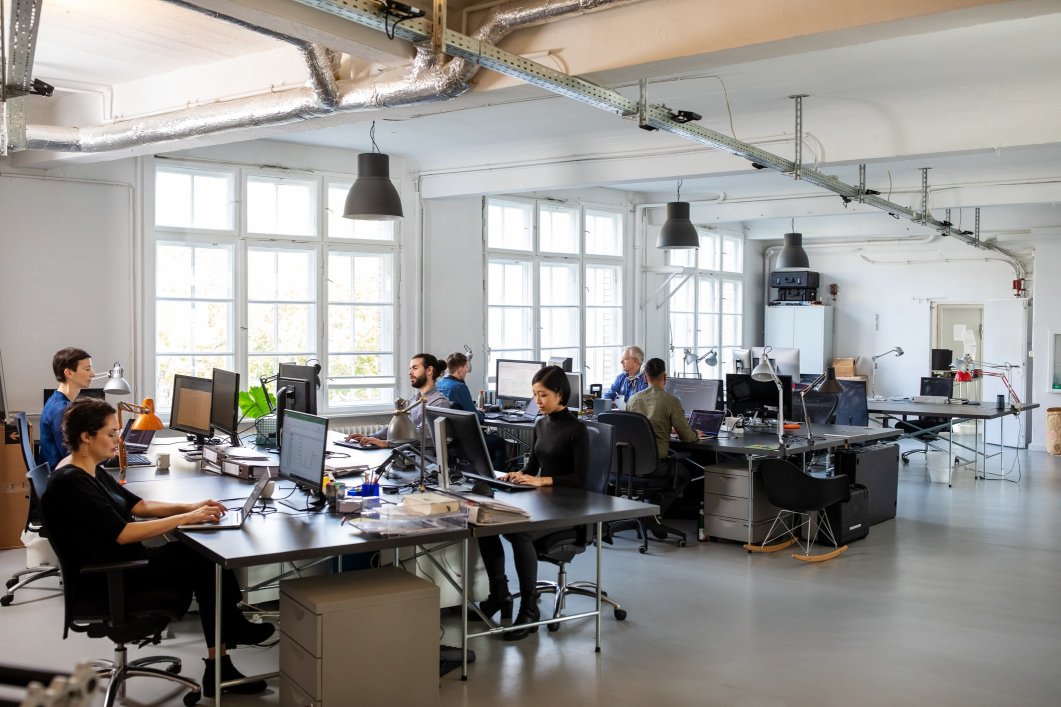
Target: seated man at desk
(661, 408)
(452, 385)
(422, 373)
(73, 371)
(631, 380)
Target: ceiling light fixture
(792, 255)
(373, 196)
(678, 231)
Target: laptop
(707, 422)
(234, 518)
(529, 413)
(136, 444)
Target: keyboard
(933, 399)
(130, 460)
(491, 415)
(356, 445)
(498, 483)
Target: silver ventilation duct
(425, 81)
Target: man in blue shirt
(73, 371)
(452, 385)
(631, 380)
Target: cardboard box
(845, 367)
(14, 494)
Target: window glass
(281, 206)
(509, 225)
(346, 228)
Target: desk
(756, 445)
(953, 413)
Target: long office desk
(758, 445)
(951, 414)
(288, 535)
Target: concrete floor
(956, 601)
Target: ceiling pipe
(424, 81)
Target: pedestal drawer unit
(726, 511)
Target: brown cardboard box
(845, 367)
(14, 493)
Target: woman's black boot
(229, 672)
(499, 600)
(527, 614)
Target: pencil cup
(368, 489)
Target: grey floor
(956, 601)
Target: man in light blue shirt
(631, 380)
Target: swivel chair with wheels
(640, 473)
(802, 500)
(123, 619)
(561, 547)
(44, 563)
(929, 427)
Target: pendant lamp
(792, 255)
(678, 231)
(373, 196)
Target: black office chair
(801, 498)
(140, 620)
(640, 473)
(928, 426)
(561, 547)
(49, 566)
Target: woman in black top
(559, 457)
(91, 521)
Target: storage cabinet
(367, 637)
(727, 512)
(807, 328)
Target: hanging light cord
(372, 137)
(679, 190)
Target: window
(554, 278)
(706, 308)
(284, 279)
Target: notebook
(136, 444)
(234, 518)
(708, 422)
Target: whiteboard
(68, 273)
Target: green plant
(256, 402)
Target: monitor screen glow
(514, 378)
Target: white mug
(162, 460)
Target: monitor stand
(314, 502)
(196, 446)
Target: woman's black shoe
(491, 605)
(229, 672)
(248, 633)
(525, 616)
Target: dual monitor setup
(202, 406)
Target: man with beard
(422, 369)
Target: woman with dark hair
(91, 520)
(559, 457)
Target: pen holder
(368, 489)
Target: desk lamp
(691, 359)
(764, 373)
(828, 384)
(898, 351)
(966, 370)
(116, 383)
(147, 420)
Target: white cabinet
(807, 328)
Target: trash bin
(1053, 431)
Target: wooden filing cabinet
(726, 513)
(366, 637)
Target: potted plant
(256, 403)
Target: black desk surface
(982, 411)
(762, 443)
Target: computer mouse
(481, 488)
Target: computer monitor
(190, 413)
(294, 371)
(304, 440)
(514, 378)
(95, 393)
(575, 381)
(747, 397)
(784, 360)
(852, 407)
(224, 404)
(465, 439)
(943, 387)
(695, 393)
(564, 362)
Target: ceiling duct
(424, 81)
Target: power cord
(400, 11)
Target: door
(960, 327)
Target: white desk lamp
(116, 383)
(764, 373)
(898, 351)
(691, 359)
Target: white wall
(1046, 320)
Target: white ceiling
(978, 101)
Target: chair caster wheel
(642, 549)
(553, 628)
(906, 461)
(7, 599)
(174, 669)
(620, 614)
(681, 543)
(11, 582)
(192, 698)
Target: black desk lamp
(829, 384)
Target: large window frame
(233, 233)
(535, 262)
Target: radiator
(356, 429)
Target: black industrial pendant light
(678, 231)
(373, 196)
(792, 255)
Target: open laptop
(234, 518)
(707, 422)
(136, 444)
(528, 414)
